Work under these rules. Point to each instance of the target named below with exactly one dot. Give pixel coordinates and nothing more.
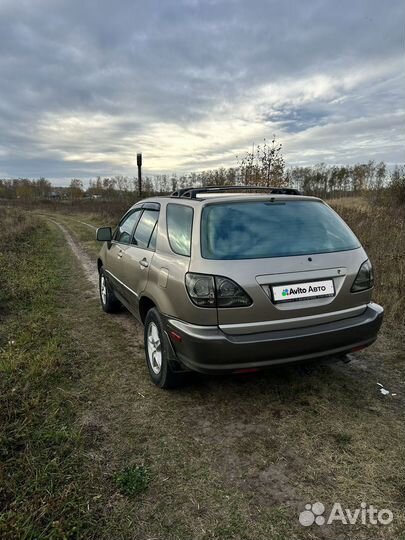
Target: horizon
(158, 177)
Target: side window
(145, 228)
(123, 233)
(179, 226)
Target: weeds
(381, 230)
(133, 480)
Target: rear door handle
(144, 263)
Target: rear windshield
(253, 230)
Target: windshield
(253, 230)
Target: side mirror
(104, 234)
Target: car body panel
(209, 350)
(136, 264)
(170, 294)
(114, 267)
(255, 276)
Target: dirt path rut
(89, 268)
(88, 265)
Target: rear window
(253, 230)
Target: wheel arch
(145, 304)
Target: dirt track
(86, 263)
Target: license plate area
(308, 290)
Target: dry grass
(108, 211)
(381, 230)
(231, 457)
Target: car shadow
(330, 381)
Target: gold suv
(225, 280)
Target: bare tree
(264, 166)
(76, 188)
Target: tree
(264, 166)
(43, 187)
(397, 185)
(359, 175)
(380, 174)
(122, 183)
(174, 182)
(76, 188)
(25, 189)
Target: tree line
(263, 166)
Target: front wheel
(157, 352)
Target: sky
(85, 85)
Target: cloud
(191, 84)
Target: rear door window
(252, 230)
(145, 228)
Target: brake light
(215, 291)
(364, 279)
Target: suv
(229, 281)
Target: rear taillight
(230, 294)
(215, 291)
(201, 289)
(364, 279)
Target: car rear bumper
(209, 350)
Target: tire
(109, 303)
(157, 352)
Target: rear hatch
(294, 257)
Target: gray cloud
(85, 85)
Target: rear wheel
(109, 303)
(157, 352)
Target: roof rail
(191, 193)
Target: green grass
(44, 485)
(133, 480)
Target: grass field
(91, 449)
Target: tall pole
(139, 163)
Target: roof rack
(191, 193)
